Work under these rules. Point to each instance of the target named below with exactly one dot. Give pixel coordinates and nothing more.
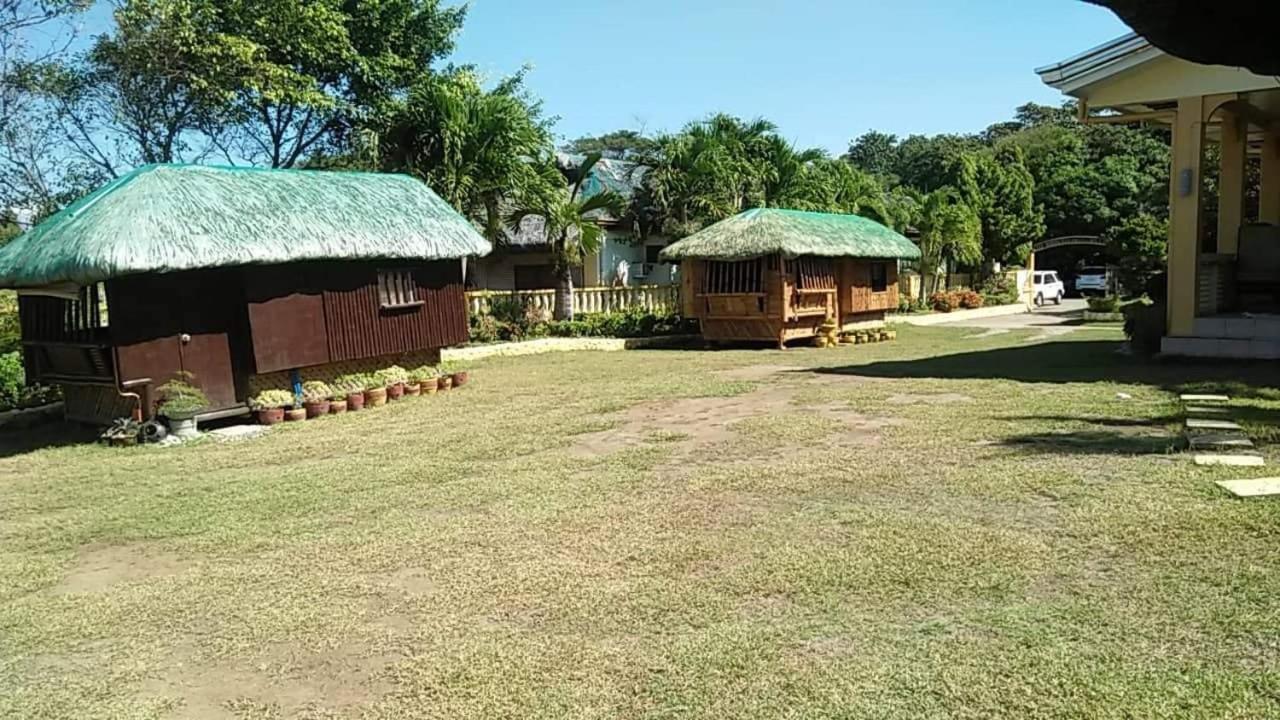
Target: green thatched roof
(769, 231)
(164, 218)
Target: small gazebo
(778, 275)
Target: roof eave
(1099, 63)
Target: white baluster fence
(655, 298)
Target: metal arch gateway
(1050, 243)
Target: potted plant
(375, 391)
(352, 385)
(295, 413)
(457, 375)
(315, 398)
(178, 401)
(444, 381)
(427, 379)
(337, 401)
(394, 379)
(269, 405)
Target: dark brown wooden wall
(315, 313)
(359, 327)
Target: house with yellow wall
(1224, 280)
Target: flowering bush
(943, 301)
(969, 299)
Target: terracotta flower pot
(316, 408)
(376, 397)
(459, 378)
(395, 392)
(355, 401)
(295, 414)
(430, 387)
(270, 416)
(337, 407)
(444, 382)
(413, 389)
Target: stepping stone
(1206, 410)
(1251, 488)
(1205, 424)
(1219, 441)
(1230, 460)
(1193, 397)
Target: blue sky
(823, 70)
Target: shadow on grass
(20, 441)
(1094, 442)
(1075, 361)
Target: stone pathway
(1210, 429)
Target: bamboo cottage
(778, 275)
(244, 278)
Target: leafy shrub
(422, 373)
(1144, 326)
(10, 333)
(316, 390)
(484, 329)
(968, 299)
(943, 301)
(180, 396)
(1105, 304)
(350, 383)
(268, 399)
(998, 290)
(394, 375)
(13, 380)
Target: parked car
(1047, 286)
(1091, 281)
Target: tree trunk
(564, 291)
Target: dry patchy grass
(946, 526)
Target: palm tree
(950, 231)
(570, 221)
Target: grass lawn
(944, 526)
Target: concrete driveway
(1050, 319)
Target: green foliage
(180, 396)
(423, 373)
(351, 383)
(14, 391)
(949, 231)
(908, 304)
(471, 145)
(317, 390)
(629, 323)
(616, 145)
(393, 375)
(998, 289)
(1104, 304)
(10, 330)
(1140, 244)
(268, 399)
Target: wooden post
(1269, 187)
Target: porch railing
(655, 298)
(1215, 284)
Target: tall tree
(570, 222)
(875, 152)
(472, 146)
(950, 232)
(616, 145)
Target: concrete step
(1219, 441)
(1202, 398)
(1259, 487)
(1208, 424)
(1206, 410)
(1230, 460)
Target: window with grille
(879, 277)
(397, 289)
(810, 273)
(733, 278)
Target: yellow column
(1231, 181)
(1269, 190)
(1184, 215)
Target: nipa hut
(778, 275)
(244, 278)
